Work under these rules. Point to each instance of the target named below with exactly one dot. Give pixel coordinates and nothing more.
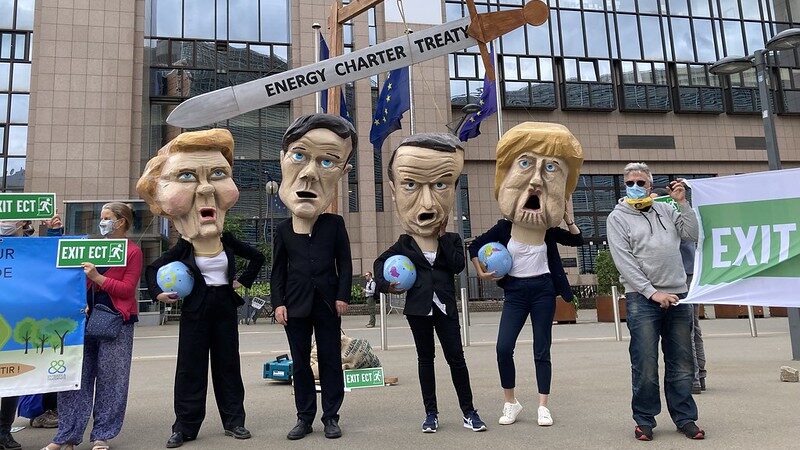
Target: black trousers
(326, 326)
(213, 329)
(8, 412)
(449, 332)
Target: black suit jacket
(501, 233)
(438, 278)
(305, 266)
(184, 252)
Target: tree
(25, 330)
(42, 336)
(5, 331)
(607, 274)
(59, 328)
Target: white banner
(748, 251)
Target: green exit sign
(363, 378)
(100, 252)
(25, 206)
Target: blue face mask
(635, 192)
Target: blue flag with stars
(393, 101)
(324, 54)
(488, 104)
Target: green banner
(363, 378)
(24, 206)
(668, 199)
(749, 239)
(100, 252)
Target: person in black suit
(312, 271)
(190, 182)
(424, 172)
(537, 170)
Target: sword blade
(399, 52)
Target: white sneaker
(545, 419)
(510, 412)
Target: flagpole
(410, 91)
(318, 96)
(497, 90)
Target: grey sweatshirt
(646, 246)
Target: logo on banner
(57, 370)
(744, 240)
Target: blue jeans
(647, 322)
(536, 297)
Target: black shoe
(692, 431)
(697, 389)
(177, 439)
(332, 430)
(300, 430)
(643, 433)
(239, 433)
(8, 442)
(702, 384)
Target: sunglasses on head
(639, 183)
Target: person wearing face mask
(106, 363)
(8, 405)
(644, 238)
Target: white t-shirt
(213, 268)
(529, 260)
(431, 257)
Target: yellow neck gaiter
(640, 203)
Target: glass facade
(634, 55)
(190, 51)
(16, 40)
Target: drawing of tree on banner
(58, 329)
(5, 331)
(41, 336)
(25, 331)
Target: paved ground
(746, 406)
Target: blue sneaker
(431, 423)
(473, 421)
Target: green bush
(607, 274)
(257, 290)
(357, 294)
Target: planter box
(778, 311)
(605, 309)
(565, 312)
(149, 319)
(736, 311)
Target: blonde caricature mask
(537, 171)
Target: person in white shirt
(537, 169)
(369, 294)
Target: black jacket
(501, 233)
(184, 252)
(305, 266)
(438, 278)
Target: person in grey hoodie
(644, 238)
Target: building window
(190, 51)
(587, 85)
(790, 91)
(16, 23)
(697, 90)
(742, 95)
(644, 87)
(235, 20)
(528, 82)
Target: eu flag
(393, 101)
(324, 54)
(488, 104)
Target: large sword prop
(402, 51)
